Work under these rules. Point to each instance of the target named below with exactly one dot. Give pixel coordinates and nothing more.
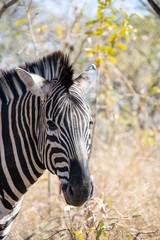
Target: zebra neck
(20, 163)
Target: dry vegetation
(125, 162)
(126, 203)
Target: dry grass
(126, 203)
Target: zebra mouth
(77, 195)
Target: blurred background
(123, 39)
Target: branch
(31, 28)
(154, 6)
(80, 50)
(6, 6)
(136, 237)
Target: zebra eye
(52, 126)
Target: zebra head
(64, 127)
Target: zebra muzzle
(78, 194)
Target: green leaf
(62, 236)
(112, 37)
(112, 224)
(135, 216)
(90, 33)
(90, 22)
(20, 21)
(121, 45)
(101, 224)
(99, 233)
(99, 13)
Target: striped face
(67, 142)
(64, 132)
(67, 131)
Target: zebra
(44, 124)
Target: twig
(80, 50)
(154, 6)
(30, 28)
(144, 233)
(6, 6)
(62, 230)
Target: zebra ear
(87, 79)
(34, 83)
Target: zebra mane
(55, 66)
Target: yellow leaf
(112, 59)
(78, 234)
(109, 49)
(136, 14)
(97, 46)
(78, 28)
(127, 37)
(110, 202)
(17, 34)
(90, 51)
(42, 28)
(99, 13)
(110, 88)
(59, 31)
(20, 21)
(121, 10)
(129, 237)
(98, 62)
(90, 22)
(110, 17)
(113, 10)
(100, 3)
(112, 37)
(121, 45)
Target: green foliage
(101, 230)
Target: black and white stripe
(44, 123)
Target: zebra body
(44, 124)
